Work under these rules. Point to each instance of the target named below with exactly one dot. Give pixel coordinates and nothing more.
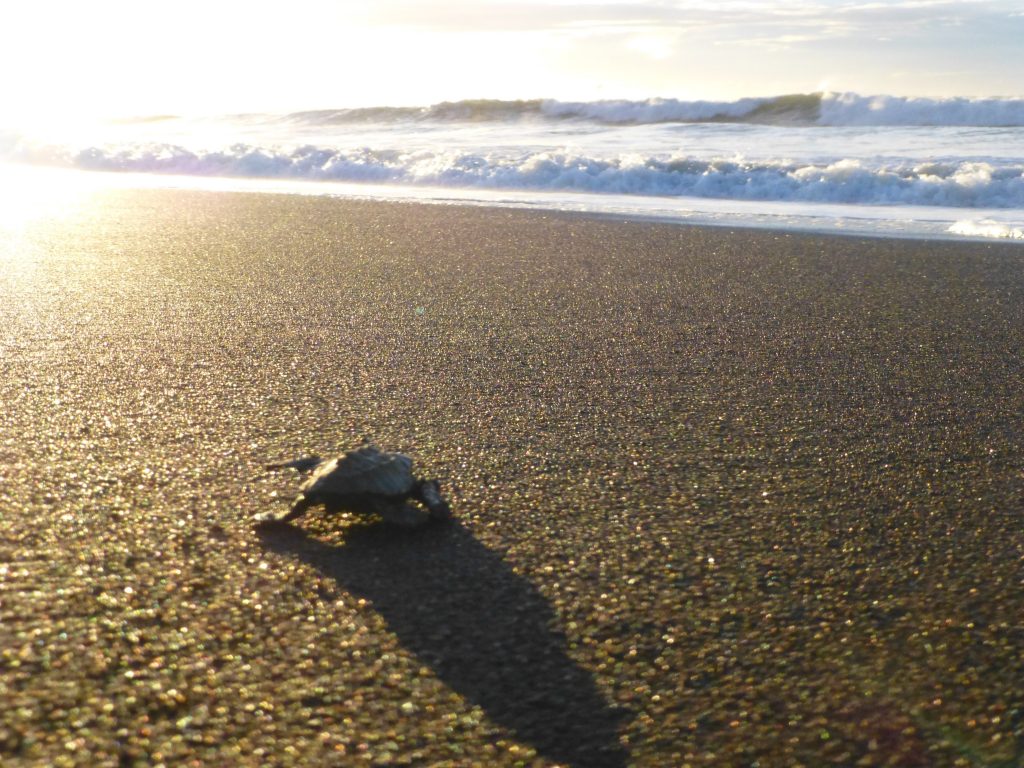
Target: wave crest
(826, 109)
(957, 184)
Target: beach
(721, 496)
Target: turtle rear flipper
(305, 464)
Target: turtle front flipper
(429, 493)
(300, 505)
(400, 513)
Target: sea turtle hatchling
(368, 481)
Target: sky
(62, 58)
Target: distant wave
(851, 109)
(492, 110)
(826, 109)
(470, 110)
(964, 184)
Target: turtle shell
(366, 471)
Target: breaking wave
(826, 109)
(973, 184)
(987, 228)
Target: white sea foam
(987, 228)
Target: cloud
(788, 19)
(510, 15)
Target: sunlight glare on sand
(29, 194)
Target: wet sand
(721, 497)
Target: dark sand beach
(722, 497)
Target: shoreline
(720, 495)
(766, 215)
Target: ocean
(843, 162)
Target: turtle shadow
(484, 630)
